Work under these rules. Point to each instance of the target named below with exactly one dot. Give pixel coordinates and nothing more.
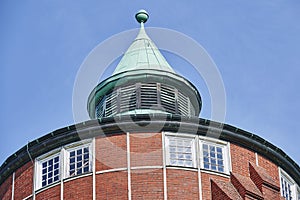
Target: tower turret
(143, 83)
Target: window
(289, 189)
(180, 151)
(286, 190)
(48, 169)
(79, 160)
(70, 160)
(214, 156)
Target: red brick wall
(240, 158)
(24, 181)
(270, 167)
(81, 188)
(112, 185)
(218, 192)
(147, 184)
(52, 193)
(269, 193)
(206, 183)
(111, 152)
(5, 188)
(145, 149)
(182, 184)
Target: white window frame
(74, 147)
(225, 153)
(293, 185)
(38, 166)
(63, 154)
(193, 149)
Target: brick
(182, 184)
(6, 188)
(24, 181)
(145, 149)
(223, 190)
(111, 152)
(240, 157)
(245, 186)
(271, 169)
(147, 184)
(52, 193)
(80, 188)
(206, 183)
(112, 185)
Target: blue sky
(255, 44)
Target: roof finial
(142, 16)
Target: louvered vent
(111, 104)
(127, 96)
(148, 96)
(183, 104)
(141, 96)
(167, 98)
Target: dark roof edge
(142, 123)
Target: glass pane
(86, 150)
(56, 159)
(86, 168)
(189, 163)
(213, 161)
(44, 183)
(86, 156)
(44, 164)
(56, 166)
(72, 160)
(206, 165)
(79, 158)
(56, 178)
(79, 151)
(220, 162)
(219, 156)
(72, 153)
(213, 167)
(50, 162)
(205, 147)
(220, 169)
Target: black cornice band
(148, 123)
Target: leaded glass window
(79, 161)
(180, 151)
(50, 171)
(213, 157)
(70, 160)
(286, 188)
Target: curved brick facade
(143, 173)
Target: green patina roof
(143, 54)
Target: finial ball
(142, 16)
